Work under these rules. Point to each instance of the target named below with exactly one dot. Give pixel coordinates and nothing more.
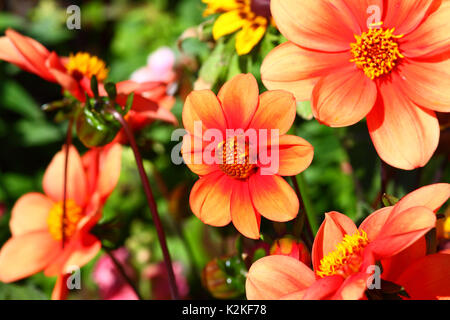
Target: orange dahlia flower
(74, 75)
(344, 256)
(241, 186)
(36, 219)
(387, 61)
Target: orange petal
(427, 278)
(274, 277)
(276, 110)
(30, 214)
(402, 230)
(243, 214)
(110, 164)
(316, 25)
(431, 37)
(375, 222)
(32, 51)
(239, 97)
(323, 288)
(343, 98)
(427, 83)
(432, 197)
(295, 69)
(81, 249)
(396, 265)
(406, 16)
(353, 287)
(210, 199)
(273, 197)
(295, 155)
(53, 181)
(203, 106)
(404, 135)
(331, 232)
(9, 52)
(360, 11)
(27, 254)
(193, 152)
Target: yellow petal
(250, 35)
(215, 6)
(227, 23)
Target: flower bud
(224, 278)
(293, 248)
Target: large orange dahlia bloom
(40, 239)
(74, 74)
(344, 256)
(238, 189)
(387, 61)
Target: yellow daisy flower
(250, 16)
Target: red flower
(36, 221)
(395, 72)
(343, 255)
(236, 188)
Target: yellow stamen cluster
(73, 215)
(83, 64)
(376, 51)
(236, 158)
(346, 258)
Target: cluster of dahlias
(392, 69)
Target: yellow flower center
(235, 153)
(83, 64)
(376, 51)
(56, 226)
(346, 259)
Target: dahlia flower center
(235, 153)
(56, 226)
(83, 64)
(261, 8)
(346, 259)
(376, 51)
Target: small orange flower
(37, 226)
(383, 60)
(74, 75)
(292, 248)
(237, 188)
(342, 254)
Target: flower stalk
(151, 203)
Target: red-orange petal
(239, 97)
(109, 164)
(30, 214)
(323, 288)
(32, 51)
(295, 69)
(404, 135)
(27, 254)
(195, 154)
(353, 287)
(53, 181)
(210, 199)
(203, 106)
(273, 197)
(375, 222)
(402, 230)
(427, 83)
(60, 289)
(427, 278)
(316, 25)
(274, 277)
(406, 16)
(432, 197)
(343, 98)
(431, 37)
(331, 232)
(243, 214)
(276, 110)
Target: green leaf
(304, 110)
(16, 99)
(37, 133)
